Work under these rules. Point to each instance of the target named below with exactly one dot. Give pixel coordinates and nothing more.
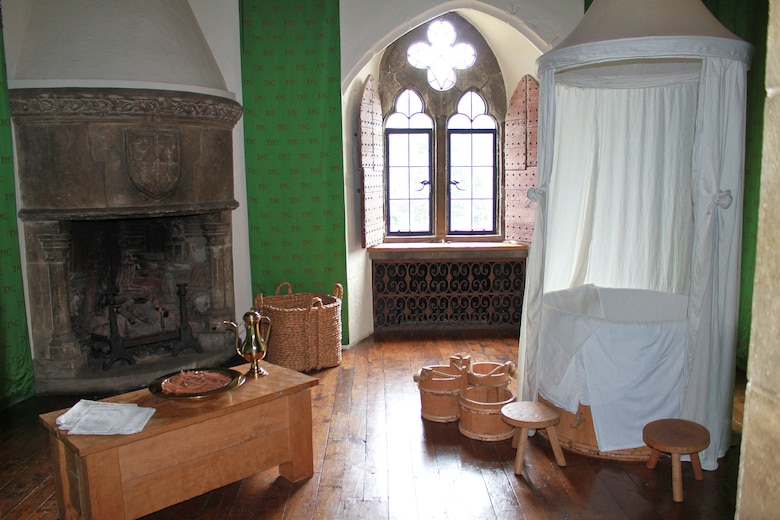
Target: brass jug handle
(264, 331)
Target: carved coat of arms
(154, 160)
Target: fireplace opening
(138, 288)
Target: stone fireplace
(125, 200)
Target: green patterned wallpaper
(292, 125)
(16, 374)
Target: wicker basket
(305, 328)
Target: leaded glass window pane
(440, 57)
(409, 137)
(473, 174)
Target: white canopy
(640, 179)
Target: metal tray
(236, 379)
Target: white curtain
(621, 182)
(527, 362)
(718, 163)
(687, 139)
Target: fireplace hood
(144, 44)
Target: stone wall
(759, 482)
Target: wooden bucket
(480, 413)
(488, 373)
(440, 387)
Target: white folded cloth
(102, 418)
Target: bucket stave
(440, 387)
(480, 413)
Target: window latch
(423, 185)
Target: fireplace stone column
(64, 348)
(217, 230)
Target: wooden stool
(525, 415)
(676, 437)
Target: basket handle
(279, 288)
(316, 302)
(338, 291)
(258, 302)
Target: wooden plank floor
(376, 458)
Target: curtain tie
(535, 195)
(723, 199)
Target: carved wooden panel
(520, 156)
(372, 164)
(438, 293)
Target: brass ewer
(255, 344)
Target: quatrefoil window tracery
(441, 58)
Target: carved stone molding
(100, 102)
(102, 153)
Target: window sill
(445, 250)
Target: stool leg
(696, 463)
(677, 489)
(556, 446)
(653, 460)
(521, 441)
(515, 437)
